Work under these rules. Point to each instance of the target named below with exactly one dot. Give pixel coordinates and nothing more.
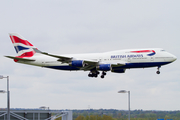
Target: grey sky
(69, 27)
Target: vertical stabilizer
(22, 46)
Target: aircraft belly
(59, 66)
(144, 65)
(54, 63)
(30, 63)
(63, 67)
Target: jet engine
(77, 63)
(104, 67)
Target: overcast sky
(81, 26)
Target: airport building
(35, 114)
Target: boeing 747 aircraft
(114, 61)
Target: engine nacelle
(118, 70)
(77, 63)
(104, 67)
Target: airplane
(115, 61)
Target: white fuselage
(114, 61)
(137, 59)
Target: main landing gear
(93, 73)
(103, 74)
(96, 73)
(158, 72)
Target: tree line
(112, 114)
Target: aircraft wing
(62, 59)
(92, 65)
(65, 59)
(17, 58)
(89, 64)
(88, 61)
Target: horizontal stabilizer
(17, 58)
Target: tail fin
(22, 46)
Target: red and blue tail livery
(114, 61)
(22, 46)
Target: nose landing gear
(158, 72)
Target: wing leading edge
(88, 64)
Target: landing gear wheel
(158, 72)
(102, 76)
(95, 75)
(89, 75)
(103, 73)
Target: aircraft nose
(170, 57)
(174, 58)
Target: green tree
(80, 117)
(105, 117)
(87, 117)
(167, 117)
(92, 117)
(98, 117)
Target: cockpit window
(162, 50)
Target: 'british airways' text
(126, 56)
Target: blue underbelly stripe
(128, 65)
(143, 65)
(62, 67)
